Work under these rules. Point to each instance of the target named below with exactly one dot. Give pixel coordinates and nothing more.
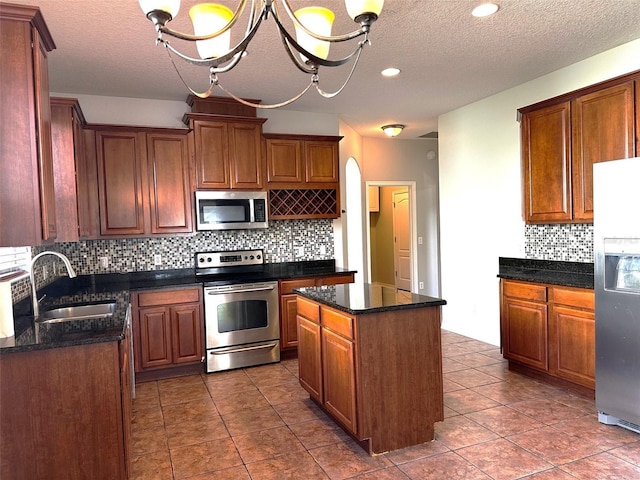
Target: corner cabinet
(549, 329)
(228, 151)
(302, 176)
(27, 200)
(288, 309)
(563, 137)
(144, 182)
(168, 328)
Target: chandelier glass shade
(308, 47)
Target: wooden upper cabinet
(27, 201)
(169, 185)
(121, 171)
(321, 161)
(284, 160)
(228, 152)
(603, 130)
(546, 158)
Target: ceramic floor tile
(179, 382)
(502, 460)
(237, 402)
(318, 433)
(552, 474)
(471, 378)
(466, 401)
(506, 393)
(450, 386)
(477, 359)
(148, 440)
(498, 370)
(602, 467)
(264, 444)
(389, 473)
(546, 410)
(630, 452)
(147, 417)
(198, 431)
(187, 393)
(188, 412)
(151, 466)
(449, 466)
(504, 420)
(451, 365)
(233, 473)
(296, 466)
(284, 394)
(228, 383)
(458, 432)
(204, 457)
(416, 452)
(271, 375)
(147, 396)
(604, 436)
(554, 446)
(299, 411)
(346, 460)
(252, 420)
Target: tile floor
(258, 423)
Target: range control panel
(229, 259)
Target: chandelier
(308, 50)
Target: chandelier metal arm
(260, 105)
(333, 38)
(331, 95)
(192, 38)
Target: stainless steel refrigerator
(616, 200)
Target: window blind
(14, 261)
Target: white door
(402, 240)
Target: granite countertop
(363, 298)
(116, 287)
(568, 274)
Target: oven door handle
(238, 290)
(244, 349)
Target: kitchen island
(371, 357)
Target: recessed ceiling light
(485, 10)
(390, 72)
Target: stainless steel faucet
(34, 294)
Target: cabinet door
(321, 161)
(288, 325)
(525, 332)
(603, 130)
(169, 183)
(212, 154)
(43, 116)
(120, 188)
(245, 155)
(546, 154)
(155, 337)
(125, 385)
(284, 161)
(186, 333)
(339, 381)
(309, 359)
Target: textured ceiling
(448, 58)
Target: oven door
(241, 314)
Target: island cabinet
(302, 175)
(549, 330)
(144, 181)
(168, 331)
(66, 412)
(27, 198)
(562, 138)
(228, 151)
(288, 304)
(378, 374)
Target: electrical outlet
(420, 241)
(421, 285)
(157, 259)
(104, 262)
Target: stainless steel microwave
(231, 210)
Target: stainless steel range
(241, 312)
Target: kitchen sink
(80, 312)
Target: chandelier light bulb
(208, 18)
(392, 130)
(172, 7)
(355, 8)
(319, 21)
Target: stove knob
(251, 257)
(201, 259)
(209, 260)
(258, 257)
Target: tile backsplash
(565, 242)
(281, 243)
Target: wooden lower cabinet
(168, 328)
(378, 375)
(550, 329)
(66, 412)
(288, 312)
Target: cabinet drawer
(527, 291)
(581, 298)
(338, 322)
(288, 286)
(168, 297)
(335, 280)
(308, 309)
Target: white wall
(480, 189)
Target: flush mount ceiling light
(309, 50)
(485, 10)
(392, 130)
(390, 72)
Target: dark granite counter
(568, 274)
(363, 298)
(116, 287)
